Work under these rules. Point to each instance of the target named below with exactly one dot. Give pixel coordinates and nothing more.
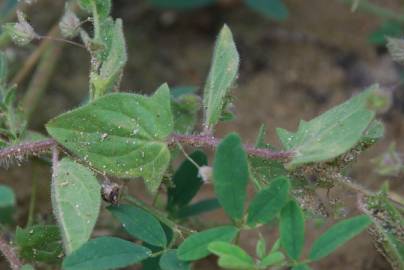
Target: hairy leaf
(120, 134)
(230, 175)
(231, 256)
(338, 235)
(140, 224)
(292, 230)
(222, 74)
(101, 7)
(105, 253)
(75, 202)
(196, 246)
(268, 202)
(332, 133)
(41, 243)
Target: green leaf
(40, 243)
(264, 170)
(186, 181)
(185, 111)
(301, 267)
(332, 133)
(109, 74)
(230, 175)
(198, 208)
(101, 7)
(3, 69)
(272, 259)
(195, 247)
(27, 267)
(105, 253)
(337, 235)
(222, 74)
(7, 197)
(390, 28)
(292, 230)
(120, 134)
(181, 4)
(231, 256)
(76, 202)
(179, 91)
(268, 202)
(170, 261)
(140, 224)
(273, 9)
(374, 132)
(261, 247)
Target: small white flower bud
(21, 32)
(69, 24)
(205, 172)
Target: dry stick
(41, 79)
(10, 255)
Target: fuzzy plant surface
(123, 135)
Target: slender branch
(10, 255)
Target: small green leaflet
(230, 175)
(198, 208)
(268, 202)
(332, 133)
(140, 224)
(76, 202)
(120, 134)
(41, 243)
(301, 267)
(389, 28)
(292, 230)
(195, 247)
(181, 4)
(170, 261)
(273, 258)
(104, 253)
(337, 235)
(186, 181)
(231, 256)
(273, 9)
(223, 72)
(7, 197)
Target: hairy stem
(212, 142)
(10, 255)
(27, 149)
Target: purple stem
(10, 255)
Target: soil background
(293, 70)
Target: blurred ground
(289, 71)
